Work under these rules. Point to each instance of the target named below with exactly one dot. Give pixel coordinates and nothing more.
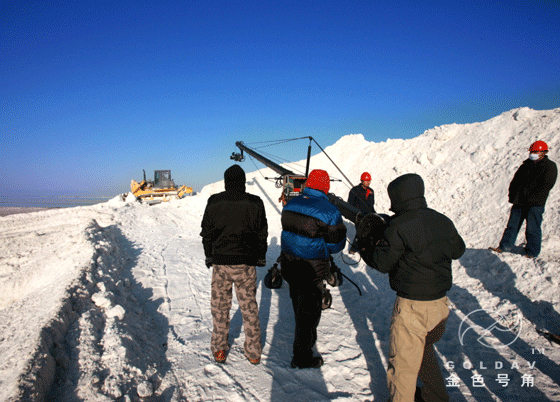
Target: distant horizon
(52, 201)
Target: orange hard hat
(538, 146)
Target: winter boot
(314, 362)
(220, 356)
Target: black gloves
(261, 262)
(209, 261)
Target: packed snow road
(170, 262)
(154, 288)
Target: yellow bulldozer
(162, 189)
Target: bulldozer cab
(162, 179)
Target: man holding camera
(416, 250)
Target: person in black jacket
(234, 236)
(528, 192)
(363, 198)
(416, 250)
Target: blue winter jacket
(312, 227)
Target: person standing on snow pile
(416, 250)
(528, 192)
(312, 230)
(363, 198)
(234, 235)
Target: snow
(112, 301)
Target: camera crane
(290, 182)
(292, 185)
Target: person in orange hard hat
(363, 198)
(528, 192)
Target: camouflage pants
(245, 279)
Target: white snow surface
(112, 301)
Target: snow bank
(467, 168)
(43, 254)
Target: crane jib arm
(274, 166)
(347, 210)
(293, 182)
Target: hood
(234, 179)
(407, 192)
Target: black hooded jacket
(532, 182)
(234, 225)
(419, 244)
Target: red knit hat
(319, 180)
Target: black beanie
(234, 178)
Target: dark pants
(533, 234)
(306, 298)
(307, 311)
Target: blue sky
(95, 91)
